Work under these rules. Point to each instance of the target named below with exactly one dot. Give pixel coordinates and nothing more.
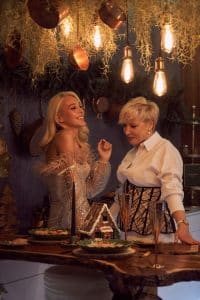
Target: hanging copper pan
(101, 105)
(79, 58)
(111, 14)
(48, 13)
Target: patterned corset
(140, 203)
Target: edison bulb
(127, 71)
(67, 26)
(167, 38)
(160, 83)
(97, 40)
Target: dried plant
(43, 47)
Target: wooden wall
(191, 82)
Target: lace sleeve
(97, 178)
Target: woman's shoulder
(63, 134)
(63, 141)
(168, 149)
(167, 144)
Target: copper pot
(48, 13)
(111, 14)
(79, 58)
(101, 105)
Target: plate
(83, 253)
(67, 244)
(15, 243)
(44, 242)
(49, 234)
(104, 245)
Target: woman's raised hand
(104, 150)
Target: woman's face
(71, 113)
(137, 131)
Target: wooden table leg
(123, 289)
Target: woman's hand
(104, 150)
(183, 234)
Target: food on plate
(48, 231)
(15, 242)
(104, 245)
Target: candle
(73, 215)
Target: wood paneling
(191, 85)
(191, 82)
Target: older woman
(151, 172)
(69, 161)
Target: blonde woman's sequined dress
(90, 178)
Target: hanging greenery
(39, 47)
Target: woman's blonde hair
(51, 123)
(141, 108)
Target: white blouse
(155, 163)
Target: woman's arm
(98, 178)
(100, 171)
(172, 192)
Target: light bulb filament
(67, 26)
(160, 84)
(167, 38)
(160, 81)
(127, 71)
(97, 40)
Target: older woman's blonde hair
(141, 108)
(51, 124)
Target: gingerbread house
(99, 223)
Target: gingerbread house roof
(93, 218)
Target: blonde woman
(69, 161)
(151, 171)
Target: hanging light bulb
(66, 26)
(167, 38)
(97, 40)
(127, 71)
(160, 81)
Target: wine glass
(156, 219)
(124, 208)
